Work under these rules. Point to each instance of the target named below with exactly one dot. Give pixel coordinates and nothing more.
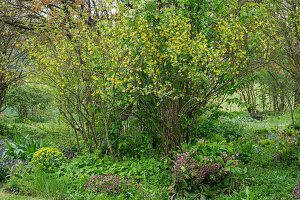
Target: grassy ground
(276, 182)
(277, 122)
(7, 196)
(267, 183)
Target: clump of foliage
(208, 169)
(6, 164)
(23, 148)
(17, 180)
(21, 168)
(12, 168)
(6, 129)
(108, 183)
(287, 146)
(280, 146)
(48, 159)
(231, 130)
(266, 147)
(152, 175)
(215, 122)
(70, 152)
(3, 173)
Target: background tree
(286, 15)
(12, 57)
(74, 58)
(29, 100)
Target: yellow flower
(47, 157)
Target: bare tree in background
(11, 58)
(286, 15)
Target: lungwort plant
(108, 183)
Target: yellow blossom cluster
(47, 158)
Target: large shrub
(47, 158)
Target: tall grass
(49, 185)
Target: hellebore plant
(198, 172)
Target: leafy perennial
(48, 158)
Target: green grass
(278, 122)
(49, 186)
(272, 183)
(275, 182)
(6, 196)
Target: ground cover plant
(173, 99)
